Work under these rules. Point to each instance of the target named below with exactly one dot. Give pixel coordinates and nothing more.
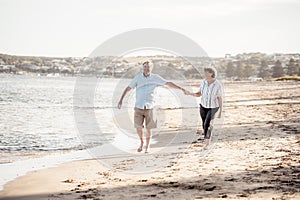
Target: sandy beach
(255, 154)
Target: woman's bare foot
(207, 143)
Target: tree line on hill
(239, 67)
(265, 70)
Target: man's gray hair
(150, 64)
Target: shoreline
(119, 146)
(104, 157)
(20, 168)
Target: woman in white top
(211, 93)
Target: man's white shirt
(145, 89)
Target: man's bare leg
(140, 133)
(148, 137)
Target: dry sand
(255, 155)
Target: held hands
(184, 91)
(120, 104)
(187, 92)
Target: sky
(74, 28)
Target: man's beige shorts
(144, 114)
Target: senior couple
(145, 84)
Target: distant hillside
(246, 66)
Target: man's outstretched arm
(173, 85)
(123, 95)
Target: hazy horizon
(75, 28)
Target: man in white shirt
(145, 84)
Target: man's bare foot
(140, 148)
(147, 149)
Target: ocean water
(36, 116)
(45, 115)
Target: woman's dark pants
(207, 114)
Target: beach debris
(242, 195)
(82, 184)
(69, 180)
(197, 145)
(105, 174)
(211, 188)
(142, 180)
(152, 195)
(87, 196)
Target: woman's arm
(197, 94)
(220, 100)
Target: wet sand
(255, 154)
